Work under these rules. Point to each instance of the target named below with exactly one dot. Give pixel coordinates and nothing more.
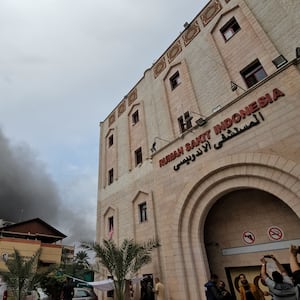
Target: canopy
(108, 284)
(103, 285)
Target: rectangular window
(138, 156)
(110, 140)
(175, 80)
(110, 227)
(185, 121)
(110, 224)
(135, 117)
(230, 29)
(143, 212)
(110, 176)
(253, 73)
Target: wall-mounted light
(218, 107)
(201, 121)
(153, 148)
(234, 86)
(279, 61)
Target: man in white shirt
(280, 286)
(159, 289)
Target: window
(185, 121)
(253, 73)
(138, 156)
(175, 80)
(135, 117)
(143, 212)
(111, 140)
(110, 227)
(230, 29)
(110, 224)
(110, 176)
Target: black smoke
(27, 191)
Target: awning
(103, 285)
(108, 284)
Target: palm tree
(82, 259)
(124, 261)
(21, 273)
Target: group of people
(215, 289)
(280, 285)
(148, 292)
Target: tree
(53, 284)
(82, 259)
(21, 273)
(122, 262)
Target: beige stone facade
(221, 193)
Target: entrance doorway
(253, 211)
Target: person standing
(280, 286)
(212, 290)
(159, 289)
(67, 290)
(295, 266)
(143, 290)
(225, 293)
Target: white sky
(64, 66)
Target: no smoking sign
(275, 233)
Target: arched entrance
(242, 226)
(266, 173)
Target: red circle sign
(248, 237)
(275, 233)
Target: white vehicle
(42, 294)
(37, 294)
(84, 294)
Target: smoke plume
(27, 191)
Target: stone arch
(270, 173)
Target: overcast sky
(64, 66)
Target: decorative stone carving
(121, 108)
(111, 118)
(190, 33)
(210, 12)
(174, 51)
(159, 67)
(132, 96)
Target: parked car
(42, 294)
(37, 294)
(84, 294)
(3, 290)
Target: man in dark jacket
(68, 290)
(212, 291)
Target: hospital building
(203, 153)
